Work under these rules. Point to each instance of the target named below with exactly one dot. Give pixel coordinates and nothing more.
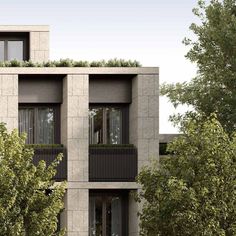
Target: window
(40, 123)
(1, 50)
(106, 125)
(15, 50)
(13, 47)
(108, 214)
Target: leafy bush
(71, 63)
(30, 201)
(111, 146)
(193, 192)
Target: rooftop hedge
(71, 63)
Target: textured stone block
(44, 41)
(34, 41)
(143, 108)
(12, 106)
(148, 128)
(153, 106)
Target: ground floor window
(108, 214)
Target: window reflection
(38, 124)
(1, 50)
(105, 125)
(96, 125)
(45, 125)
(113, 116)
(15, 50)
(105, 216)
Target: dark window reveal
(40, 124)
(14, 46)
(106, 125)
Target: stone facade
(39, 46)
(143, 124)
(9, 100)
(38, 39)
(144, 129)
(74, 126)
(144, 117)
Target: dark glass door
(106, 215)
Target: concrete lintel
(103, 185)
(79, 70)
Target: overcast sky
(150, 31)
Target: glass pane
(15, 50)
(1, 50)
(26, 123)
(45, 127)
(95, 216)
(113, 216)
(96, 126)
(113, 125)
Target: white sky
(150, 31)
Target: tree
(193, 192)
(29, 199)
(214, 52)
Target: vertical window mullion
(35, 125)
(104, 119)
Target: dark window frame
(57, 120)
(9, 36)
(124, 118)
(124, 194)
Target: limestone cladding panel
(75, 216)
(144, 117)
(9, 100)
(39, 46)
(144, 130)
(75, 125)
(133, 219)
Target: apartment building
(104, 119)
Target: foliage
(111, 146)
(54, 145)
(194, 191)
(214, 52)
(30, 201)
(71, 63)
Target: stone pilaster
(39, 46)
(9, 101)
(74, 130)
(144, 117)
(144, 129)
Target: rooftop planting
(71, 63)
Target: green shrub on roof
(71, 63)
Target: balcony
(48, 154)
(112, 163)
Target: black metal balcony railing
(112, 164)
(48, 155)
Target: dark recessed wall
(40, 88)
(110, 88)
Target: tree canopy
(193, 191)
(29, 199)
(214, 52)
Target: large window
(13, 47)
(39, 123)
(106, 125)
(108, 213)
